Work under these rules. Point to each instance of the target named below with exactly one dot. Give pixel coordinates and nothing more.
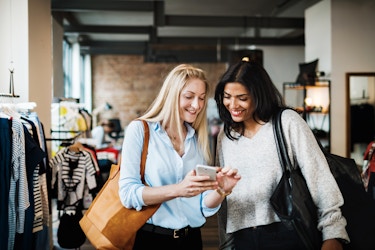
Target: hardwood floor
(210, 234)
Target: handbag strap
(280, 143)
(146, 138)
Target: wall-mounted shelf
(313, 103)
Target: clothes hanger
(76, 147)
(9, 109)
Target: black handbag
(291, 199)
(69, 232)
(358, 208)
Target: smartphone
(206, 170)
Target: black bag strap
(281, 144)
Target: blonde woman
(178, 142)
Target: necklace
(176, 141)
(177, 145)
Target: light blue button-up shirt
(164, 166)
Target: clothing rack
(26, 128)
(67, 122)
(65, 139)
(21, 107)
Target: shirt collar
(190, 130)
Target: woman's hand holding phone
(203, 170)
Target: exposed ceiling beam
(99, 5)
(233, 40)
(135, 48)
(183, 41)
(69, 8)
(193, 21)
(108, 29)
(226, 21)
(153, 53)
(177, 43)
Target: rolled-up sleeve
(130, 185)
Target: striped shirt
(73, 171)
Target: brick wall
(130, 85)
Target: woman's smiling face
(238, 101)
(192, 99)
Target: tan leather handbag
(107, 223)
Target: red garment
(108, 154)
(369, 163)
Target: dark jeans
(274, 236)
(150, 240)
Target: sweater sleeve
(305, 151)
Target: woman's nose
(195, 103)
(233, 103)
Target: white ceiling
(180, 26)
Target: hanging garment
(368, 169)
(33, 155)
(362, 123)
(19, 192)
(72, 171)
(5, 166)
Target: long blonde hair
(163, 108)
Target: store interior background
(340, 33)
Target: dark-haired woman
(247, 101)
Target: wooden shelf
(317, 120)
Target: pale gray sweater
(257, 162)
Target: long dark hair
(266, 98)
